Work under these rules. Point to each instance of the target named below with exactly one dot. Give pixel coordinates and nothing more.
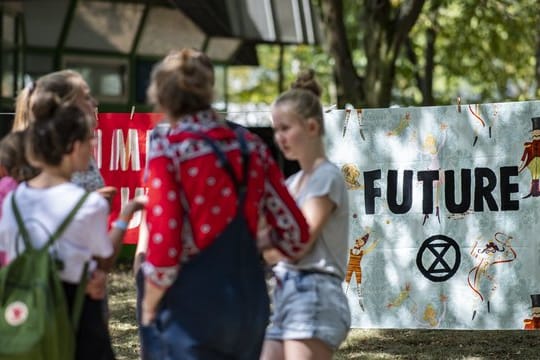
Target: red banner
(121, 154)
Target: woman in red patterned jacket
(209, 185)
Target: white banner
(444, 214)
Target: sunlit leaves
(260, 85)
(484, 51)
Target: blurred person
(60, 141)
(14, 167)
(311, 315)
(205, 295)
(71, 88)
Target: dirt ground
(360, 344)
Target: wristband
(120, 224)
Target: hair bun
(306, 81)
(44, 105)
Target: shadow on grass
(360, 344)
(440, 344)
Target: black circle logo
(435, 256)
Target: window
(143, 69)
(8, 81)
(37, 64)
(10, 60)
(107, 78)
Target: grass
(122, 321)
(360, 344)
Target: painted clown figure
(531, 158)
(534, 322)
(356, 253)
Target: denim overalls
(218, 306)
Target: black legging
(93, 338)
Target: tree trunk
(537, 58)
(427, 91)
(387, 28)
(348, 83)
(424, 79)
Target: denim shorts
(309, 305)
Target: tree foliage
(261, 84)
(409, 52)
(486, 50)
(479, 50)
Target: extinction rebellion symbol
(438, 258)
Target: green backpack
(34, 319)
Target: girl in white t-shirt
(59, 141)
(311, 315)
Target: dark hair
(13, 159)
(304, 98)
(182, 83)
(65, 84)
(55, 129)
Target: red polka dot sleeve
(180, 161)
(164, 212)
(290, 232)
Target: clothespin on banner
(360, 123)
(347, 116)
(132, 112)
(330, 108)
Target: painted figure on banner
(430, 316)
(477, 118)
(533, 323)
(351, 174)
(460, 216)
(531, 158)
(481, 278)
(431, 148)
(403, 124)
(403, 295)
(354, 265)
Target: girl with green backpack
(60, 142)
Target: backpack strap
(241, 186)
(68, 219)
(20, 224)
(59, 230)
(79, 294)
(79, 298)
(245, 160)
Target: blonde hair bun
(182, 83)
(306, 81)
